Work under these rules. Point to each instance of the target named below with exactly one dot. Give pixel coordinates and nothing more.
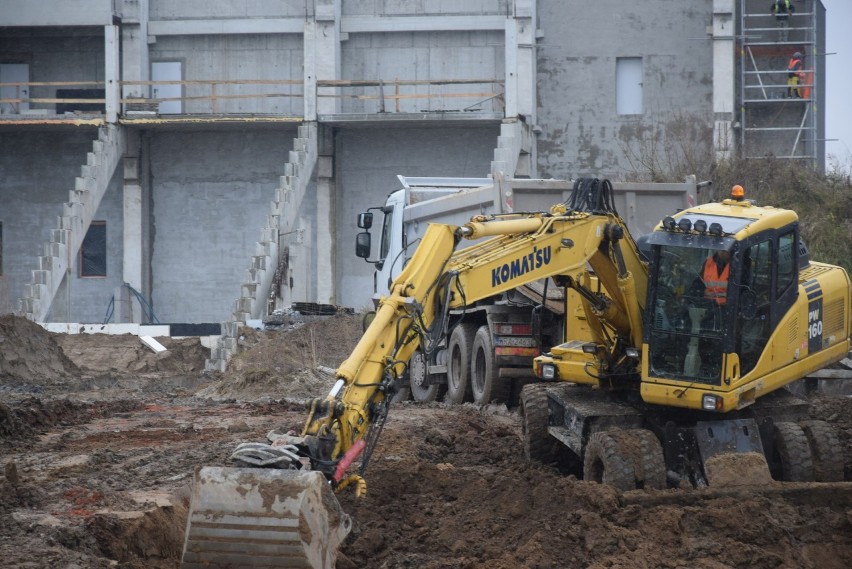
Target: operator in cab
(717, 270)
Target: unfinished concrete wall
(37, 170)
(196, 9)
(237, 58)
(89, 299)
(367, 163)
(210, 194)
(582, 134)
(423, 7)
(424, 56)
(76, 55)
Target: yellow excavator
(663, 371)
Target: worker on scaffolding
(782, 10)
(795, 76)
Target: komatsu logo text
(521, 266)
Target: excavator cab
(710, 295)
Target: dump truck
(520, 321)
(673, 377)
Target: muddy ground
(99, 438)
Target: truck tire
(460, 348)
(791, 459)
(606, 461)
(487, 385)
(826, 452)
(417, 375)
(539, 446)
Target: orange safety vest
(794, 68)
(716, 283)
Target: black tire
(826, 452)
(606, 462)
(417, 374)
(792, 457)
(652, 470)
(459, 353)
(539, 446)
(487, 385)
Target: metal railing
(218, 97)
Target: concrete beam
(65, 13)
(229, 26)
(367, 24)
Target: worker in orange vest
(795, 76)
(717, 269)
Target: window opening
(93, 256)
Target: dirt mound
(286, 363)
(30, 354)
(125, 354)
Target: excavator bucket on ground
(263, 517)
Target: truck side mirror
(365, 220)
(362, 241)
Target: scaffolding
(779, 118)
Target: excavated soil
(100, 437)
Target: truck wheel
(791, 460)
(538, 444)
(606, 461)
(487, 385)
(417, 375)
(826, 451)
(458, 364)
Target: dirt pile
(30, 354)
(286, 363)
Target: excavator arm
(512, 250)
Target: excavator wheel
(606, 462)
(626, 459)
(826, 452)
(539, 446)
(488, 386)
(262, 517)
(458, 365)
(791, 460)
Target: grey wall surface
(582, 134)
(420, 7)
(88, 299)
(216, 9)
(424, 56)
(76, 56)
(368, 161)
(37, 172)
(211, 192)
(234, 58)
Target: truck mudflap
(262, 517)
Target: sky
(838, 90)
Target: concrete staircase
(66, 239)
(513, 155)
(282, 218)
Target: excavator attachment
(263, 517)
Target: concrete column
(724, 32)
(132, 249)
(322, 56)
(135, 65)
(324, 246)
(112, 72)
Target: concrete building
(203, 161)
